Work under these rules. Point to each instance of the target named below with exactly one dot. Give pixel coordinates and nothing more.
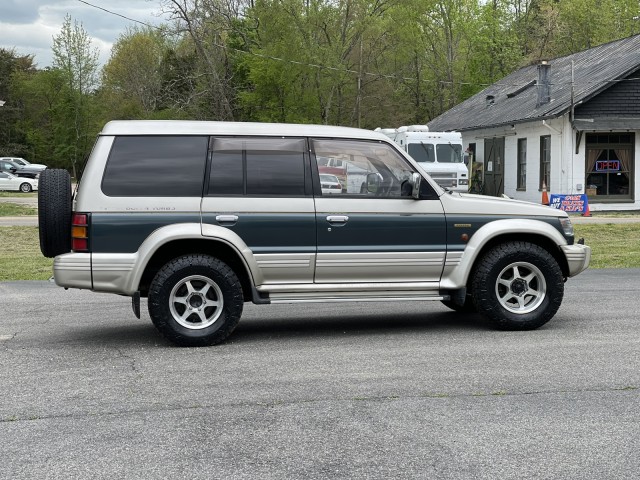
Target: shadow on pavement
(142, 333)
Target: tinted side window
(156, 166)
(258, 166)
(227, 171)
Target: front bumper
(578, 258)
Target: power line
(119, 15)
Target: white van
(439, 153)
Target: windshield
(449, 153)
(422, 152)
(442, 153)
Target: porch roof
(606, 124)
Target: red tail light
(80, 232)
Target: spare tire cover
(54, 212)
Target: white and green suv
(201, 217)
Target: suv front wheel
(518, 286)
(195, 300)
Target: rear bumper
(73, 270)
(103, 272)
(578, 257)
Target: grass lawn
(6, 193)
(20, 255)
(613, 246)
(15, 210)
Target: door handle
(228, 219)
(337, 219)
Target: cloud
(30, 39)
(19, 11)
(28, 26)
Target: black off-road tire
(517, 276)
(54, 212)
(200, 280)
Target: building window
(545, 162)
(609, 165)
(522, 164)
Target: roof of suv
(188, 127)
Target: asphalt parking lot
(340, 391)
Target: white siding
(567, 167)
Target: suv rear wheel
(518, 286)
(195, 300)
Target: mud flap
(135, 304)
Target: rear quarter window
(156, 166)
(258, 167)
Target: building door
(494, 166)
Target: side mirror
(416, 180)
(373, 182)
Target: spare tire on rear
(54, 212)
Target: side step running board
(339, 299)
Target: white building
(571, 124)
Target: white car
(24, 163)
(330, 184)
(9, 181)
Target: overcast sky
(28, 26)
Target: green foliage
(132, 79)
(74, 55)
(13, 141)
(48, 118)
(317, 61)
(76, 63)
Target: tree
(74, 56)
(13, 141)
(133, 73)
(318, 61)
(46, 104)
(208, 24)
